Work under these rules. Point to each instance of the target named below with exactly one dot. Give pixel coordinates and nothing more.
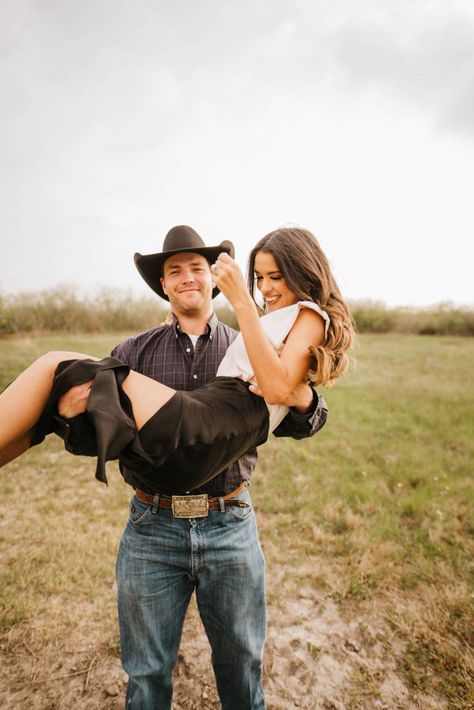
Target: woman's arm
(277, 376)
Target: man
(167, 551)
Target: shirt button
(195, 377)
(188, 350)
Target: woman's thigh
(146, 395)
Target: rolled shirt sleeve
(300, 425)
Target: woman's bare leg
(16, 448)
(23, 401)
(146, 395)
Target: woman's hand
(228, 277)
(74, 401)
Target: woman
(182, 439)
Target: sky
(351, 118)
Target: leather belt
(192, 506)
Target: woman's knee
(48, 362)
(54, 357)
(51, 359)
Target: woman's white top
(276, 326)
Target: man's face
(187, 282)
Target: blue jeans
(161, 561)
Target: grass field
(374, 515)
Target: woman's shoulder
(278, 324)
(311, 305)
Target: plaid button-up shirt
(167, 354)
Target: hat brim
(150, 266)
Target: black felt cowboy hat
(179, 239)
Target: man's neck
(193, 324)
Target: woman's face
(271, 283)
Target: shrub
(372, 316)
(61, 309)
(440, 319)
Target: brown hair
(306, 272)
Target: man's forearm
(302, 424)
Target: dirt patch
(315, 658)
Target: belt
(190, 506)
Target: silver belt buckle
(190, 506)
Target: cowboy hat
(179, 239)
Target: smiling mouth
(271, 299)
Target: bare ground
(318, 655)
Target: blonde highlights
(306, 271)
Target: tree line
(62, 309)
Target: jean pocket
(241, 512)
(138, 513)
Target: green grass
(375, 511)
(392, 466)
(380, 503)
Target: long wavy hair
(306, 272)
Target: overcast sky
(353, 118)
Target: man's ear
(162, 280)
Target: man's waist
(192, 505)
(223, 484)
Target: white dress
(276, 326)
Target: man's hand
(74, 401)
(301, 397)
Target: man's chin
(192, 306)
(192, 301)
(192, 310)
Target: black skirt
(195, 436)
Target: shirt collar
(212, 324)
